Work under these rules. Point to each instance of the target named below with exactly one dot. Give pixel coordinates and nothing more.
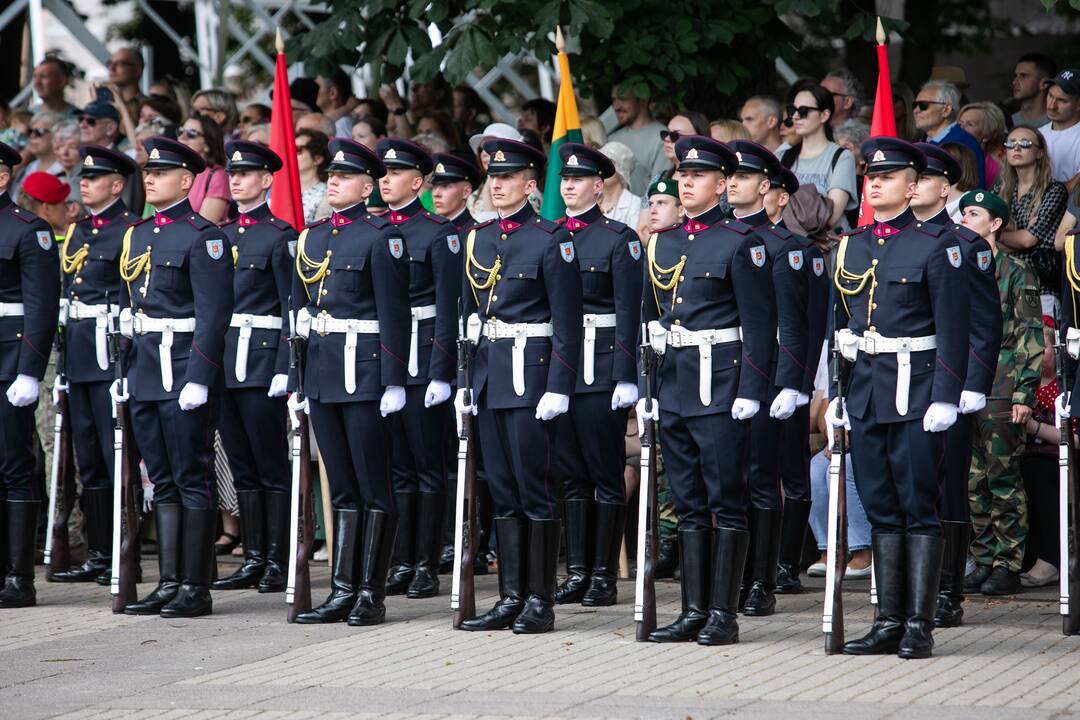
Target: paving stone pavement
(70, 657)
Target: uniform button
(682, 257)
(147, 248)
(881, 241)
(498, 277)
(520, 275)
(503, 236)
(494, 298)
(874, 261)
(251, 265)
(682, 278)
(94, 231)
(347, 267)
(410, 258)
(240, 230)
(328, 272)
(875, 284)
(157, 230)
(334, 231)
(873, 328)
(329, 252)
(678, 322)
(18, 335)
(874, 306)
(918, 224)
(324, 292)
(264, 343)
(708, 274)
(86, 245)
(592, 268)
(78, 280)
(168, 262)
(690, 236)
(903, 280)
(678, 301)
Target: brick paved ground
(71, 658)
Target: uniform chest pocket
(906, 286)
(520, 278)
(169, 271)
(709, 279)
(595, 275)
(249, 269)
(419, 270)
(350, 271)
(7, 253)
(101, 264)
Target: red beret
(46, 187)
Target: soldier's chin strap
(842, 274)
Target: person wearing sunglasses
(847, 94)
(125, 71)
(935, 110)
(210, 193)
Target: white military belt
(872, 343)
(11, 309)
(590, 322)
(424, 312)
(520, 332)
(247, 321)
(139, 324)
(326, 324)
(76, 310)
(679, 337)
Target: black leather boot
(576, 515)
(3, 543)
(425, 582)
(403, 565)
(97, 512)
(607, 542)
(950, 599)
(511, 537)
(729, 557)
(792, 535)
(277, 543)
(538, 616)
(197, 560)
(890, 570)
(253, 535)
(694, 557)
(667, 559)
(342, 595)
(378, 543)
(765, 535)
(167, 523)
(21, 524)
(923, 575)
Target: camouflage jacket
(1022, 346)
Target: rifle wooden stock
(648, 541)
(61, 493)
(832, 620)
(126, 521)
(463, 588)
(301, 522)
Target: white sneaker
(1041, 574)
(851, 573)
(816, 570)
(320, 555)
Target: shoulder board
(966, 233)
(930, 229)
(484, 224)
(140, 221)
(22, 213)
(860, 229)
(376, 221)
(779, 231)
(613, 225)
(198, 222)
(735, 226)
(437, 219)
(227, 223)
(676, 226)
(278, 223)
(547, 226)
(317, 223)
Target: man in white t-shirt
(1063, 133)
(641, 133)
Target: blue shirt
(955, 134)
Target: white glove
(552, 405)
(58, 387)
(279, 385)
(296, 405)
(743, 409)
(460, 406)
(971, 402)
(437, 393)
(784, 404)
(803, 399)
(393, 399)
(643, 414)
(625, 396)
(1063, 406)
(118, 391)
(23, 391)
(939, 416)
(831, 415)
(192, 395)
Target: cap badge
(661, 186)
(339, 156)
(440, 168)
(572, 160)
(738, 156)
(692, 155)
(500, 156)
(237, 157)
(1067, 75)
(155, 155)
(88, 161)
(878, 156)
(979, 197)
(391, 154)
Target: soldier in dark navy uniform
(177, 298)
(710, 311)
(928, 205)
(456, 177)
(591, 439)
(794, 463)
(90, 262)
(352, 291)
(253, 415)
(903, 327)
(422, 430)
(29, 300)
(780, 431)
(523, 309)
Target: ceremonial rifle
(648, 540)
(462, 589)
(126, 486)
(302, 513)
(62, 479)
(1068, 506)
(832, 620)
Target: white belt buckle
(870, 344)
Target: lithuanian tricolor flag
(567, 129)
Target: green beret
(664, 186)
(986, 200)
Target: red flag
(883, 123)
(285, 193)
